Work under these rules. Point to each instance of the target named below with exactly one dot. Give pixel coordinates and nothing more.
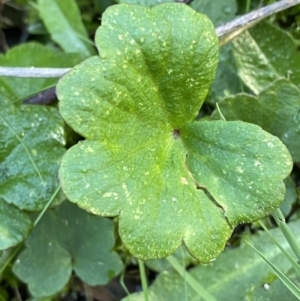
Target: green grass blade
(122, 283)
(26, 149)
(280, 220)
(144, 280)
(46, 206)
(185, 283)
(193, 283)
(294, 264)
(286, 281)
(220, 113)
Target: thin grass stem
(144, 280)
(285, 280)
(192, 282)
(122, 283)
(294, 264)
(220, 113)
(280, 220)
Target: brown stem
(255, 16)
(233, 28)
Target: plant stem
(280, 220)
(294, 264)
(198, 288)
(255, 16)
(46, 207)
(248, 6)
(144, 280)
(122, 283)
(33, 72)
(220, 113)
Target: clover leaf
(70, 239)
(169, 178)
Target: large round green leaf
(136, 105)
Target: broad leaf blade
(235, 162)
(134, 105)
(68, 238)
(151, 57)
(14, 225)
(22, 165)
(63, 21)
(261, 59)
(276, 110)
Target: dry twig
(225, 33)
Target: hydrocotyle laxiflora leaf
(144, 157)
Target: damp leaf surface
(32, 144)
(136, 105)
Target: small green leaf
(63, 21)
(32, 55)
(276, 110)
(145, 158)
(68, 238)
(14, 226)
(28, 168)
(261, 58)
(233, 276)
